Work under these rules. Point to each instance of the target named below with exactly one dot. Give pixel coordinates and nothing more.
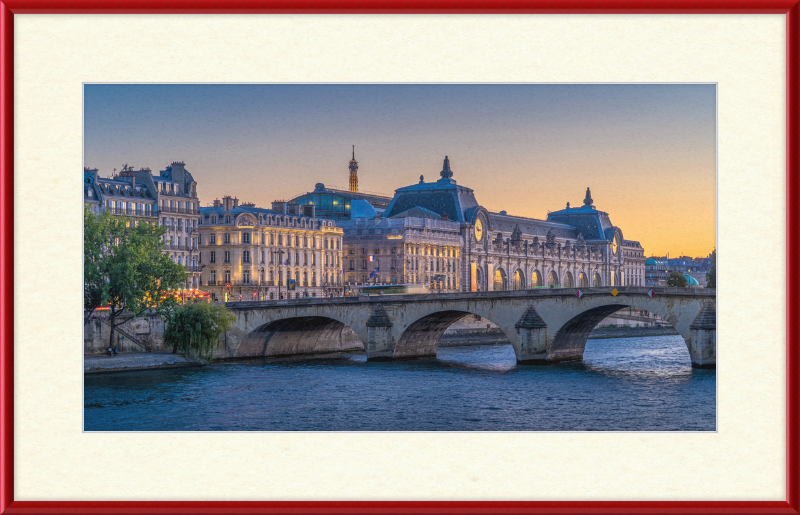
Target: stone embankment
(137, 361)
(631, 332)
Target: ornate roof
(593, 224)
(443, 197)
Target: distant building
(250, 253)
(336, 204)
(655, 272)
(693, 268)
(170, 198)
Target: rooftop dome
(362, 209)
(691, 281)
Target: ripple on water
(625, 384)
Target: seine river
(623, 384)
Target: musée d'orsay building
(436, 233)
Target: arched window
(598, 281)
(568, 280)
(583, 281)
(552, 280)
(536, 279)
(519, 281)
(499, 280)
(479, 282)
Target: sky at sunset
(648, 152)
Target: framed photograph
(510, 306)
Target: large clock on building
(478, 229)
(614, 245)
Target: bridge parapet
(543, 325)
(511, 294)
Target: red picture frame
(791, 8)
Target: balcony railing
(180, 210)
(172, 246)
(128, 212)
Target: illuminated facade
(249, 253)
(573, 247)
(402, 250)
(169, 198)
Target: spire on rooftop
(588, 200)
(354, 172)
(446, 173)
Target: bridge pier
(379, 336)
(703, 342)
(531, 345)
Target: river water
(623, 384)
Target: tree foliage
(124, 267)
(711, 275)
(677, 280)
(196, 328)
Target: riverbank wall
(137, 361)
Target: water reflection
(622, 384)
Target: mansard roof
(205, 211)
(530, 227)
(418, 212)
(593, 224)
(443, 197)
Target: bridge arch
(298, 335)
(569, 340)
(421, 337)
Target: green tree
(196, 328)
(711, 275)
(124, 267)
(677, 279)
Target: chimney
(177, 170)
(217, 202)
(235, 202)
(227, 203)
(279, 206)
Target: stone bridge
(543, 325)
